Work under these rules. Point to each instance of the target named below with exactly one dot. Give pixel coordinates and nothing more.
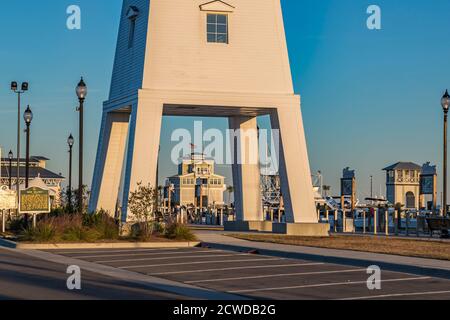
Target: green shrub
(158, 228)
(58, 212)
(90, 220)
(142, 231)
(82, 234)
(17, 225)
(104, 224)
(181, 232)
(64, 222)
(44, 232)
(70, 227)
(108, 230)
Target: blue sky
(369, 98)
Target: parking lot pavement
(26, 278)
(265, 277)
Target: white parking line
(278, 275)
(396, 295)
(177, 257)
(236, 268)
(325, 285)
(115, 251)
(142, 254)
(195, 263)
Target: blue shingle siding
(129, 62)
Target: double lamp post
(28, 117)
(19, 92)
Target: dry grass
(403, 247)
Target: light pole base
(248, 226)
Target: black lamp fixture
(24, 86)
(81, 89)
(70, 141)
(445, 101)
(28, 117)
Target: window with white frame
(217, 28)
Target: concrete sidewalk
(419, 266)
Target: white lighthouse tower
(203, 58)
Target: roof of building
(189, 175)
(40, 158)
(403, 166)
(34, 173)
(33, 159)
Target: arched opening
(410, 200)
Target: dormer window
(132, 15)
(217, 28)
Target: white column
(246, 173)
(143, 148)
(109, 162)
(295, 173)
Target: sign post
(8, 201)
(34, 201)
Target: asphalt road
(264, 277)
(26, 278)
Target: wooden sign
(34, 201)
(8, 199)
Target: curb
(7, 244)
(119, 245)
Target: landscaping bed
(394, 246)
(97, 228)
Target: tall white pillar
(295, 173)
(143, 149)
(109, 163)
(246, 172)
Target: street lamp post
(371, 187)
(14, 88)
(445, 102)
(70, 142)
(28, 117)
(81, 91)
(10, 157)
